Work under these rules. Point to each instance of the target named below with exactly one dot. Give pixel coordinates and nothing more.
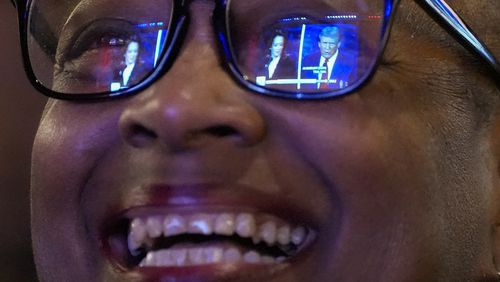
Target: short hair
(331, 32)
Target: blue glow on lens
(224, 44)
(159, 43)
(388, 8)
(330, 17)
(153, 24)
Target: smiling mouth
(179, 240)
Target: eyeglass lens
(295, 46)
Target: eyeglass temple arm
(445, 14)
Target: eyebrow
(43, 34)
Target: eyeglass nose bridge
(180, 23)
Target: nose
(196, 103)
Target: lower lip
(201, 273)
(206, 273)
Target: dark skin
(400, 179)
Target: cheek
(350, 141)
(374, 166)
(69, 142)
(377, 167)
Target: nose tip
(180, 124)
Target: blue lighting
(153, 24)
(330, 17)
(388, 8)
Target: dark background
(20, 109)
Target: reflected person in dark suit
(278, 64)
(331, 66)
(132, 69)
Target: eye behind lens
(101, 33)
(102, 47)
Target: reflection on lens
(100, 46)
(139, 56)
(317, 47)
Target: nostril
(137, 129)
(140, 136)
(221, 131)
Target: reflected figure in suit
(278, 64)
(131, 70)
(331, 66)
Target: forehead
(133, 45)
(328, 39)
(278, 38)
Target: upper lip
(161, 199)
(200, 196)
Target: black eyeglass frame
(437, 9)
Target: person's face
(387, 182)
(277, 46)
(131, 53)
(328, 46)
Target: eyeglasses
(90, 49)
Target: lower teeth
(193, 256)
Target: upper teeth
(260, 228)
